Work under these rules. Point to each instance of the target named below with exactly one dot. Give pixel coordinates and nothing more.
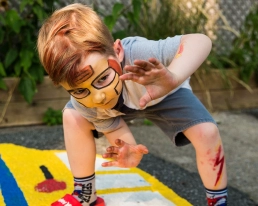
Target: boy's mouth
(108, 102)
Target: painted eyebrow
(84, 74)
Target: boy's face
(99, 84)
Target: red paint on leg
(219, 162)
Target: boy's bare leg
(210, 158)
(81, 151)
(79, 143)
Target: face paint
(219, 162)
(180, 51)
(84, 74)
(102, 88)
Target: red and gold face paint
(84, 74)
(113, 64)
(180, 51)
(99, 84)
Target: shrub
(18, 34)
(52, 117)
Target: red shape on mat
(50, 185)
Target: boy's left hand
(124, 155)
(156, 78)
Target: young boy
(111, 83)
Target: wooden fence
(209, 87)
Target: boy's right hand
(154, 76)
(124, 155)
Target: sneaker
(69, 200)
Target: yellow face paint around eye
(104, 97)
(180, 51)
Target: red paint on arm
(180, 50)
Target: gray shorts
(173, 115)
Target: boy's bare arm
(159, 80)
(192, 52)
(124, 151)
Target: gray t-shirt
(106, 120)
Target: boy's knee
(205, 134)
(209, 131)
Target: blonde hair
(68, 35)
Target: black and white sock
(84, 190)
(217, 197)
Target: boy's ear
(119, 50)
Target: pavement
(175, 167)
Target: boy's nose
(99, 98)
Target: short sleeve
(142, 48)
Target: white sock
(84, 190)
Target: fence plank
(212, 85)
(20, 113)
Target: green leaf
(23, 4)
(1, 35)
(147, 122)
(52, 117)
(2, 71)
(26, 58)
(2, 84)
(130, 17)
(13, 20)
(17, 69)
(37, 73)
(117, 8)
(2, 20)
(119, 34)
(27, 87)
(40, 2)
(137, 8)
(40, 13)
(110, 22)
(10, 57)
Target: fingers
(148, 65)
(154, 61)
(110, 156)
(110, 164)
(145, 99)
(119, 142)
(112, 149)
(141, 66)
(135, 69)
(141, 69)
(143, 149)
